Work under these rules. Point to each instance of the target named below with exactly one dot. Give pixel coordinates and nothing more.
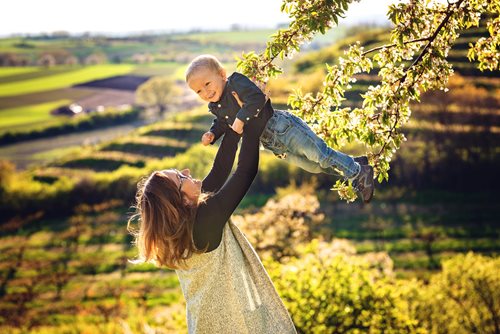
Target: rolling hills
(64, 244)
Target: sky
(126, 16)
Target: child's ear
(223, 74)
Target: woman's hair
(165, 231)
(203, 61)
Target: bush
(283, 223)
(329, 292)
(464, 297)
(7, 171)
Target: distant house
(95, 59)
(47, 60)
(142, 58)
(71, 60)
(71, 110)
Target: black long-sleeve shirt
(212, 215)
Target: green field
(63, 80)
(9, 71)
(27, 95)
(38, 72)
(20, 45)
(35, 88)
(30, 117)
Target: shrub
(326, 291)
(7, 170)
(283, 223)
(464, 297)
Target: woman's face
(191, 188)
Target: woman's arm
(213, 215)
(238, 184)
(223, 162)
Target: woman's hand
(237, 124)
(237, 98)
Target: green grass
(9, 71)
(39, 72)
(63, 80)
(400, 246)
(29, 116)
(12, 45)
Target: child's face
(208, 84)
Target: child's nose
(205, 93)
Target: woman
(184, 224)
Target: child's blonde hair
(203, 61)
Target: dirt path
(32, 152)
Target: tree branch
(449, 12)
(394, 44)
(431, 39)
(271, 59)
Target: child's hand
(207, 138)
(238, 126)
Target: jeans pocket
(282, 124)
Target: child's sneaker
(364, 183)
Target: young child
(236, 100)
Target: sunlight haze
(122, 17)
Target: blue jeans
(291, 139)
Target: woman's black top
(212, 215)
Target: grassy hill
(62, 79)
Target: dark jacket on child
(255, 107)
